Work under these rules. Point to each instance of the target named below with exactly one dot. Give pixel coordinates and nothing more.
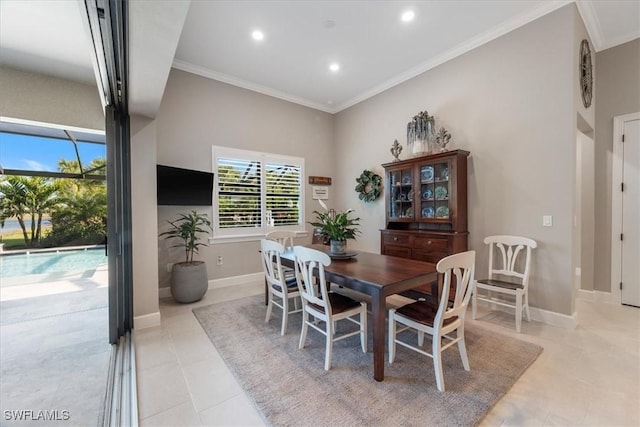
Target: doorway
(625, 252)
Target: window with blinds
(256, 192)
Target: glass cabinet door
(434, 188)
(401, 194)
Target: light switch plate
(547, 221)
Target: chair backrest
(284, 237)
(461, 267)
(504, 252)
(271, 264)
(306, 261)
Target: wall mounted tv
(184, 187)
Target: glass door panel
(402, 194)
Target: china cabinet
(426, 207)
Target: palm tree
(81, 215)
(27, 196)
(41, 199)
(14, 201)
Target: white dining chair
(319, 304)
(285, 238)
(438, 321)
(508, 275)
(280, 289)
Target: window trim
(243, 234)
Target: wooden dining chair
(323, 305)
(508, 275)
(280, 289)
(438, 321)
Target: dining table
(377, 276)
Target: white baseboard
(164, 292)
(596, 296)
(146, 321)
(554, 319)
(587, 295)
(235, 280)
(539, 315)
(604, 297)
(220, 283)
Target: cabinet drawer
(429, 244)
(429, 256)
(398, 251)
(396, 239)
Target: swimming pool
(49, 262)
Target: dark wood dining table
(377, 276)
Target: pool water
(48, 262)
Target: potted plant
(189, 281)
(338, 227)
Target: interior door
(630, 264)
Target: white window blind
(256, 193)
(239, 193)
(283, 183)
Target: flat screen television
(183, 187)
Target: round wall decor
(369, 185)
(586, 73)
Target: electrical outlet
(219, 260)
(578, 271)
(169, 267)
(547, 221)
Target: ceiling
(374, 48)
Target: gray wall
(197, 113)
(144, 220)
(512, 104)
(47, 99)
(617, 90)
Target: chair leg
(526, 307)
(303, 334)
(269, 306)
(518, 311)
(437, 361)
(420, 338)
(392, 336)
(285, 314)
(474, 304)
(363, 329)
(329, 346)
(462, 348)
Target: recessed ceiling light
(329, 23)
(408, 16)
(334, 67)
(257, 35)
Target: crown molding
(224, 78)
(591, 22)
(619, 40)
(543, 9)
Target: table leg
(378, 308)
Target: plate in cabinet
(426, 174)
(441, 192)
(442, 212)
(428, 212)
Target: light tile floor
(587, 376)
(54, 347)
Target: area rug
(290, 386)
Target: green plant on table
(338, 226)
